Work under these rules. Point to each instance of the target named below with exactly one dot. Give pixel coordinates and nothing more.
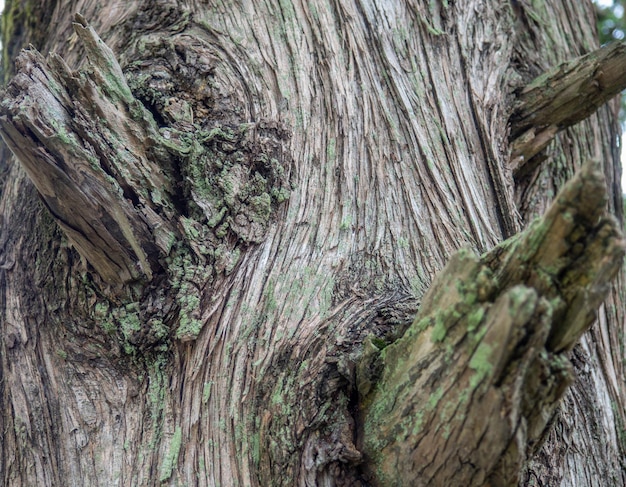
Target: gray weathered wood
(564, 96)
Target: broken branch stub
(570, 256)
(83, 141)
(467, 393)
(564, 96)
(134, 197)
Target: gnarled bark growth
(108, 174)
(260, 198)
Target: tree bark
(240, 210)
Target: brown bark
(272, 188)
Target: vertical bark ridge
(353, 171)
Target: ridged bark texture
(322, 161)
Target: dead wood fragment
(562, 97)
(467, 393)
(84, 142)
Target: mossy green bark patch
(171, 458)
(481, 364)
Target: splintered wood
(467, 393)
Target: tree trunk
(217, 243)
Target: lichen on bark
(487, 353)
(160, 185)
(400, 153)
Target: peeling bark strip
(564, 96)
(467, 393)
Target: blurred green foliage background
(611, 20)
(612, 27)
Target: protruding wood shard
(466, 394)
(112, 177)
(84, 140)
(564, 96)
